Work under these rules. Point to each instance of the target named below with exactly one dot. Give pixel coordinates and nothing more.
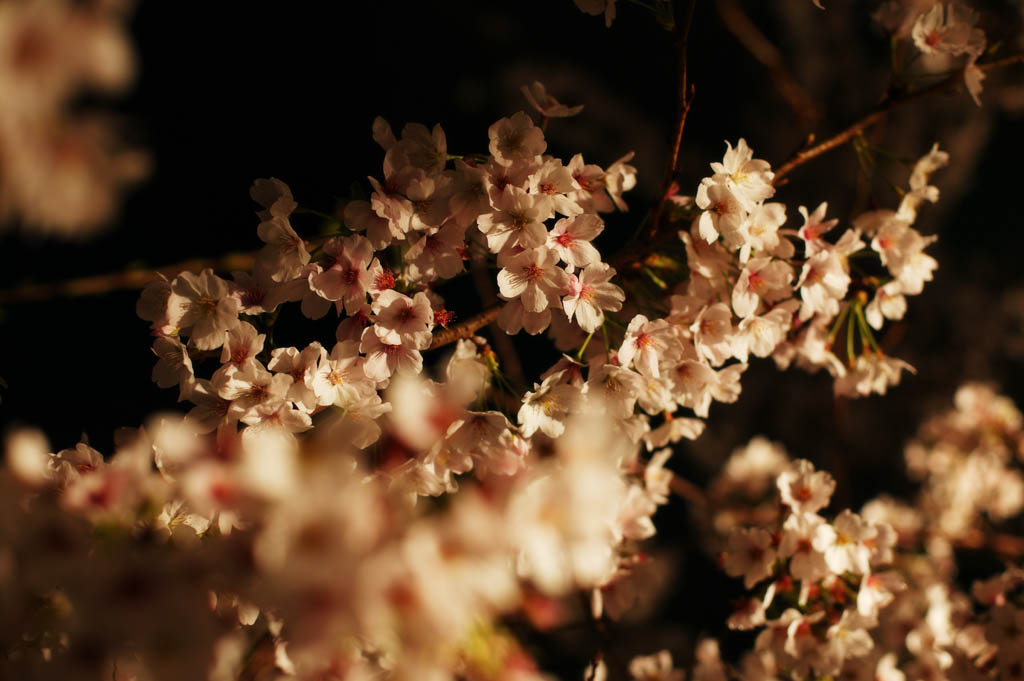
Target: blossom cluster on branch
(392, 502)
(874, 594)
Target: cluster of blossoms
(941, 32)
(823, 581)
(62, 171)
(969, 461)
(757, 288)
(247, 544)
(286, 527)
(826, 604)
(743, 297)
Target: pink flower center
(532, 272)
(443, 317)
(565, 239)
(384, 280)
(350, 275)
(586, 184)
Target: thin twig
(737, 22)
(880, 112)
(689, 491)
(685, 99)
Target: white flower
(547, 407)
(399, 317)
(339, 378)
(647, 344)
(517, 220)
(533, 277)
(548, 106)
(201, 305)
(823, 283)
(590, 294)
(805, 490)
(806, 563)
(844, 543)
(383, 358)
(571, 238)
(285, 254)
(750, 554)
(555, 181)
(620, 177)
(515, 138)
(723, 214)
(749, 179)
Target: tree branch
(465, 329)
(685, 99)
(880, 112)
(122, 281)
(737, 22)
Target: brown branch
(880, 112)
(685, 99)
(1002, 544)
(689, 491)
(121, 281)
(465, 329)
(738, 23)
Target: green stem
(850, 355)
(865, 330)
(838, 323)
(583, 348)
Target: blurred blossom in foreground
(62, 172)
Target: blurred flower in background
(63, 162)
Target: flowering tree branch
(880, 112)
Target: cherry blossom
(549, 107)
(590, 294)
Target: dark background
(230, 92)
